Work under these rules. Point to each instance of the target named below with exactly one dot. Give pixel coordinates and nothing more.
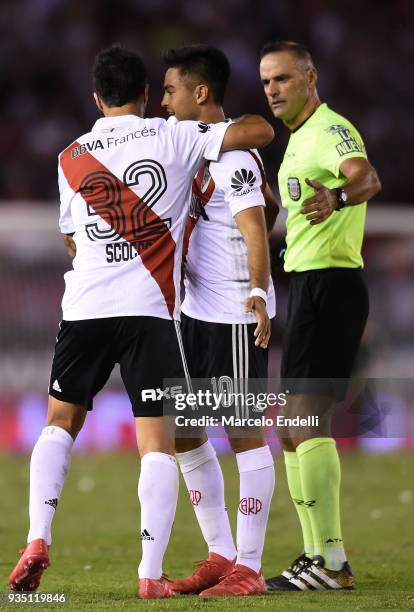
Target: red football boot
(28, 571)
(207, 574)
(240, 581)
(151, 588)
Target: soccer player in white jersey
(124, 189)
(229, 298)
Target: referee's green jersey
(316, 149)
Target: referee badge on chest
(294, 188)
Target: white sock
(48, 468)
(257, 482)
(204, 479)
(157, 492)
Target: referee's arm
(362, 183)
(362, 180)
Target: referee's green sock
(295, 490)
(320, 474)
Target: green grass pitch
(96, 536)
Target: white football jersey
(217, 279)
(124, 191)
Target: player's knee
(69, 417)
(241, 445)
(298, 439)
(155, 435)
(288, 444)
(68, 426)
(184, 445)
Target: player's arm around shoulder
(248, 132)
(193, 140)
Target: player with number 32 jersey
(127, 212)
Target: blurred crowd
(364, 52)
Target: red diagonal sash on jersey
(261, 169)
(203, 196)
(157, 254)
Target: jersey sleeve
(336, 143)
(240, 176)
(197, 140)
(66, 223)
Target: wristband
(257, 292)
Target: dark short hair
(119, 76)
(203, 62)
(299, 51)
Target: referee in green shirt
(325, 181)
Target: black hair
(119, 76)
(204, 62)
(299, 51)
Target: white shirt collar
(105, 123)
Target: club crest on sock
(195, 496)
(250, 505)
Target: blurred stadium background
(364, 53)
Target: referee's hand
(257, 306)
(321, 205)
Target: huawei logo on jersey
(242, 181)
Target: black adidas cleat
(315, 576)
(282, 582)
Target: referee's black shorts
(327, 313)
(148, 350)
